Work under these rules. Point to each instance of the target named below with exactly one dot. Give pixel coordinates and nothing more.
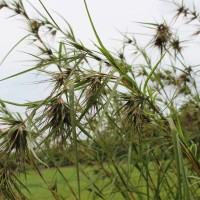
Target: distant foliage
(132, 116)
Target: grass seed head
(10, 187)
(175, 45)
(182, 10)
(133, 115)
(34, 26)
(57, 120)
(162, 36)
(14, 142)
(93, 85)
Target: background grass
(116, 117)
(40, 191)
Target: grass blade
(73, 123)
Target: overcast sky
(108, 16)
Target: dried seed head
(14, 141)
(18, 8)
(57, 121)
(162, 37)
(94, 84)
(175, 44)
(132, 110)
(195, 15)
(121, 56)
(184, 78)
(35, 25)
(182, 10)
(59, 79)
(10, 185)
(129, 41)
(189, 69)
(59, 113)
(53, 33)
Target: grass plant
(109, 116)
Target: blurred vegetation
(127, 122)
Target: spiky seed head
(35, 25)
(162, 36)
(175, 44)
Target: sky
(109, 17)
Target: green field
(39, 189)
(65, 186)
(54, 179)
